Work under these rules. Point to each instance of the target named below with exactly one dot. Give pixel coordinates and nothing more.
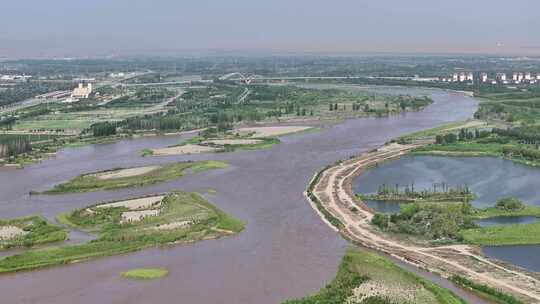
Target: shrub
(509, 204)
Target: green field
(145, 273)
(181, 218)
(366, 278)
(54, 124)
(501, 235)
(528, 210)
(92, 182)
(36, 231)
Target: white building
(470, 77)
(528, 76)
(484, 77)
(81, 91)
(455, 77)
(501, 77)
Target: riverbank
(333, 191)
(364, 277)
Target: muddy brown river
(286, 251)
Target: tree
(509, 204)
(380, 220)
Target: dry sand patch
(397, 293)
(174, 225)
(126, 172)
(185, 149)
(9, 232)
(271, 131)
(135, 216)
(233, 141)
(138, 203)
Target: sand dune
(271, 131)
(185, 149)
(135, 204)
(9, 232)
(126, 172)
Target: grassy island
(366, 278)
(145, 273)
(133, 177)
(131, 225)
(29, 231)
(215, 140)
(230, 141)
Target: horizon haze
(66, 28)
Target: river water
(285, 252)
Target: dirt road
(334, 192)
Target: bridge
(258, 78)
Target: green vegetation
(28, 90)
(93, 182)
(145, 273)
(509, 204)
(500, 235)
(486, 292)
(211, 137)
(510, 129)
(407, 193)
(179, 218)
(34, 230)
(122, 112)
(527, 210)
(437, 222)
(447, 222)
(379, 281)
(147, 152)
(13, 145)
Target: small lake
(388, 207)
(507, 220)
(489, 178)
(525, 256)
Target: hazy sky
(76, 27)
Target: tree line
(13, 145)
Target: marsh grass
(145, 273)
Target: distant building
(81, 91)
(470, 77)
(15, 78)
(484, 77)
(528, 76)
(501, 77)
(462, 77)
(538, 77)
(117, 75)
(455, 77)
